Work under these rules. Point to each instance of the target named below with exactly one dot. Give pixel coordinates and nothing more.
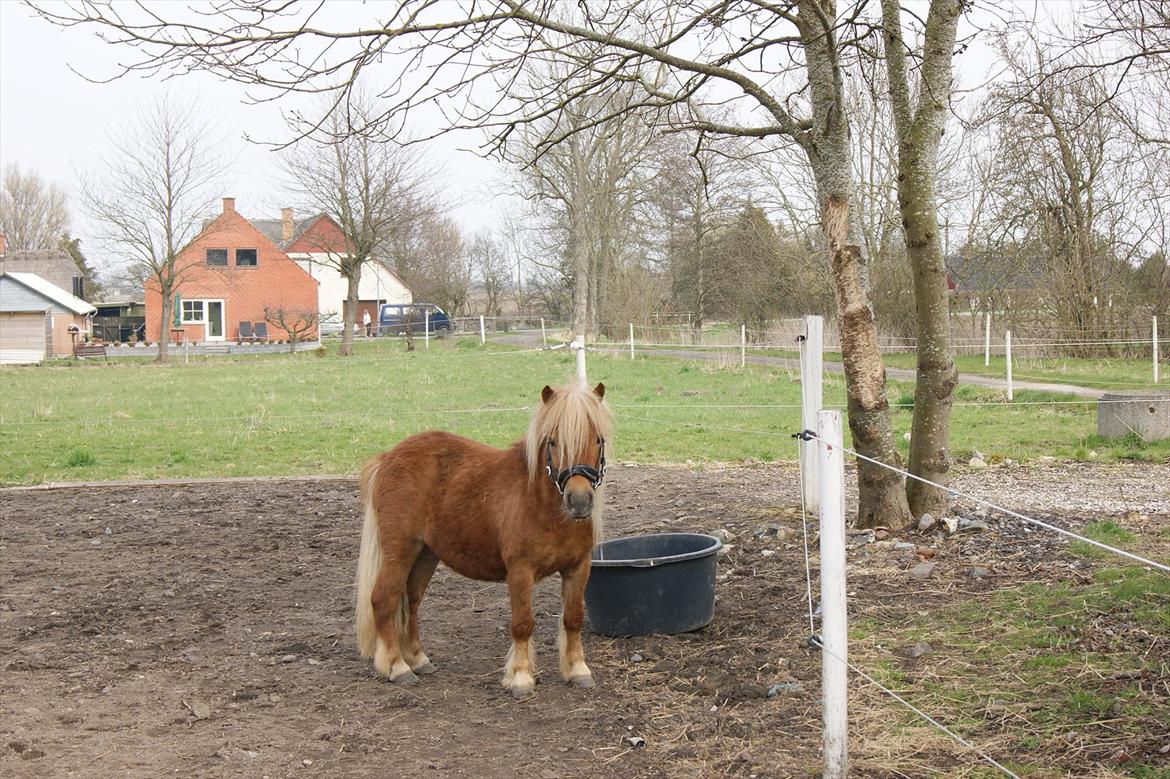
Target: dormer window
(217, 257)
(245, 258)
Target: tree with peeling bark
(919, 120)
(779, 67)
(148, 195)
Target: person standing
(366, 321)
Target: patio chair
(260, 331)
(246, 334)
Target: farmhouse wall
(276, 281)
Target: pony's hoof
(405, 679)
(520, 692)
(426, 669)
(583, 682)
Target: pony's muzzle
(579, 499)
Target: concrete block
(1145, 413)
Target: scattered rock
(768, 552)
(198, 709)
(881, 533)
(636, 658)
(314, 661)
(926, 523)
(976, 463)
(288, 659)
(950, 525)
(977, 572)
(903, 546)
(95, 542)
(862, 538)
(324, 733)
(923, 570)
(780, 687)
(548, 773)
(637, 742)
(967, 525)
(306, 762)
(724, 535)
(916, 650)
(924, 552)
(978, 455)
(767, 531)
(744, 757)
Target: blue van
(398, 318)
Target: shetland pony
(515, 515)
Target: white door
(213, 319)
(23, 337)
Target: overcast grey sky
(54, 121)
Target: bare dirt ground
(205, 630)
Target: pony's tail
(369, 561)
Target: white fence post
(811, 399)
(834, 632)
(579, 345)
(426, 330)
(742, 345)
(543, 336)
(1154, 338)
(1007, 351)
(632, 342)
(986, 339)
(482, 335)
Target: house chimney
(229, 204)
(286, 224)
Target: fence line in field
(255, 418)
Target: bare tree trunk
(881, 498)
(167, 288)
(919, 133)
(353, 276)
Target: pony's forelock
(572, 417)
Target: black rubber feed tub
(661, 583)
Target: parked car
(395, 318)
(330, 325)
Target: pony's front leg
(520, 668)
(573, 667)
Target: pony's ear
(599, 390)
(547, 394)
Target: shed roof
(51, 292)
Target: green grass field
(302, 414)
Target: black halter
(561, 478)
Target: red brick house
(229, 274)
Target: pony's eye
(551, 442)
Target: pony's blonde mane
(572, 418)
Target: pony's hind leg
(416, 587)
(520, 667)
(391, 609)
(572, 654)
